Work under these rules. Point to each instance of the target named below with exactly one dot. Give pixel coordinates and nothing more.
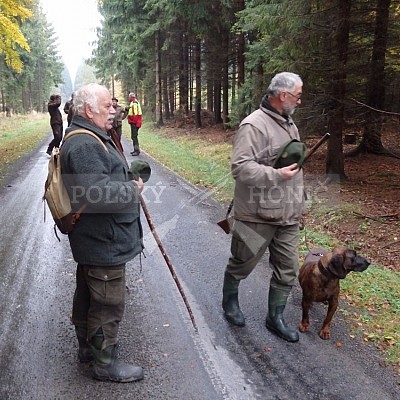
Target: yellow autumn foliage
(12, 13)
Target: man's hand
(289, 171)
(139, 184)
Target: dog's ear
(336, 266)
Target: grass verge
(200, 162)
(372, 296)
(18, 136)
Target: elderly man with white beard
(268, 202)
(107, 234)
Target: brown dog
(319, 279)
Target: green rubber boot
(277, 300)
(107, 367)
(230, 301)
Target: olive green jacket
(261, 195)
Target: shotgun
(224, 224)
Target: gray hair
(132, 94)
(284, 81)
(88, 94)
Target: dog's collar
(325, 271)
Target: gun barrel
(317, 145)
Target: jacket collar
(265, 105)
(79, 122)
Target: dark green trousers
(99, 301)
(251, 240)
(135, 136)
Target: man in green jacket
(268, 203)
(107, 235)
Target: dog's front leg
(305, 321)
(325, 332)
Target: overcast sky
(74, 22)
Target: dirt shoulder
(369, 203)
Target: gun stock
(224, 224)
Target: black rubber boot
(107, 367)
(136, 151)
(230, 301)
(84, 351)
(277, 300)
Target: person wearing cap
(120, 115)
(135, 120)
(268, 201)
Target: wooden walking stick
(167, 260)
(144, 172)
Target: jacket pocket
(125, 218)
(271, 204)
(128, 234)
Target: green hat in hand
(142, 169)
(292, 152)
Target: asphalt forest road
(38, 349)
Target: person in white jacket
(268, 203)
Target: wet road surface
(38, 349)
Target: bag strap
(78, 213)
(229, 209)
(84, 131)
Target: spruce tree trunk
(372, 141)
(225, 77)
(198, 83)
(165, 96)
(159, 118)
(183, 73)
(335, 158)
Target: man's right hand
(289, 172)
(139, 184)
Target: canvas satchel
(55, 193)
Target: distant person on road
(56, 121)
(268, 203)
(135, 120)
(69, 109)
(107, 235)
(120, 114)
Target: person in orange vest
(135, 120)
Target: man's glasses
(298, 97)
